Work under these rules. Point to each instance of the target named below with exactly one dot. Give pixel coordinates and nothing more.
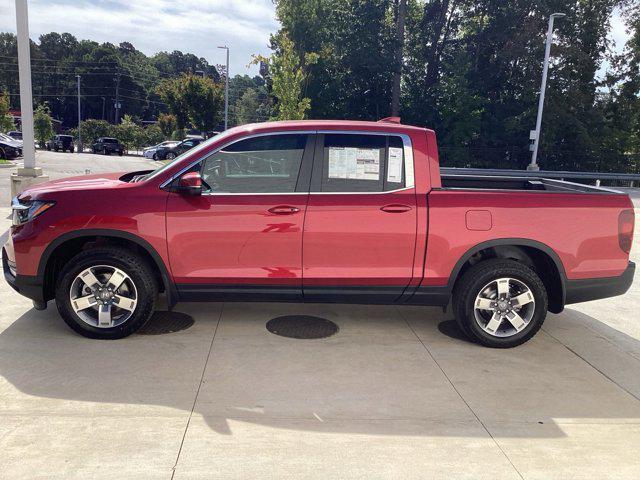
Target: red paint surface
(333, 239)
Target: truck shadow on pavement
(390, 371)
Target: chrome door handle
(395, 208)
(284, 210)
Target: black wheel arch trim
(169, 286)
(513, 242)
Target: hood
(85, 182)
(11, 143)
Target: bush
(91, 130)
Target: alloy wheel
(504, 307)
(103, 296)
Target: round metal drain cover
(166, 322)
(302, 326)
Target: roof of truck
(350, 125)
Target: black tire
(55, 149)
(155, 157)
(475, 279)
(3, 156)
(130, 263)
(71, 150)
(105, 151)
(121, 152)
(169, 156)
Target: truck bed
(475, 182)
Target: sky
(191, 26)
(194, 26)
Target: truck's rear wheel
(106, 293)
(500, 303)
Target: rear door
(360, 227)
(242, 237)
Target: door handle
(284, 210)
(395, 208)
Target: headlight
(26, 211)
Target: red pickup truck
(318, 211)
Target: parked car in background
(107, 146)
(365, 201)
(169, 153)
(16, 135)
(9, 147)
(60, 143)
(150, 152)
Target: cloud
(193, 26)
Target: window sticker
(394, 172)
(354, 163)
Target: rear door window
(352, 163)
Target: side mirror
(190, 183)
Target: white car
(150, 152)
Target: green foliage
(287, 77)
(193, 100)
(6, 121)
(471, 70)
(42, 125)
(56, 58)
(129, 133)
(167, 124)
(91, 130)
(152, 135)
(247, 107)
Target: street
(396, 393)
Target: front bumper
(578, 291)
(26, 285)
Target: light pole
(26, 100)
(103, 103)
(535, 135)
(79, 118)
(226, 90)
(29, 173)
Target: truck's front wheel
(106, 293)
(500, 303)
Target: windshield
(192, 151)
(6, 138)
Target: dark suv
(171, 152)
(107, 146)
(61, 142)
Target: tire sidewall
(141, 278)
(479, 281)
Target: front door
(360, 228)
(242, 237)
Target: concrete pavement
(395, 394)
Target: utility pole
(535, 134)
(79, 118)
(117, 119)
(103, 104)
(397, 75)
(226, 90)
(29, 173)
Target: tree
(193, 100)
(129, 133)
(247, 107)
(91, 130)
(6, 120)
(42, 124)
(167, 124)
(204, 99)
(287, 78)
(152, 135)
